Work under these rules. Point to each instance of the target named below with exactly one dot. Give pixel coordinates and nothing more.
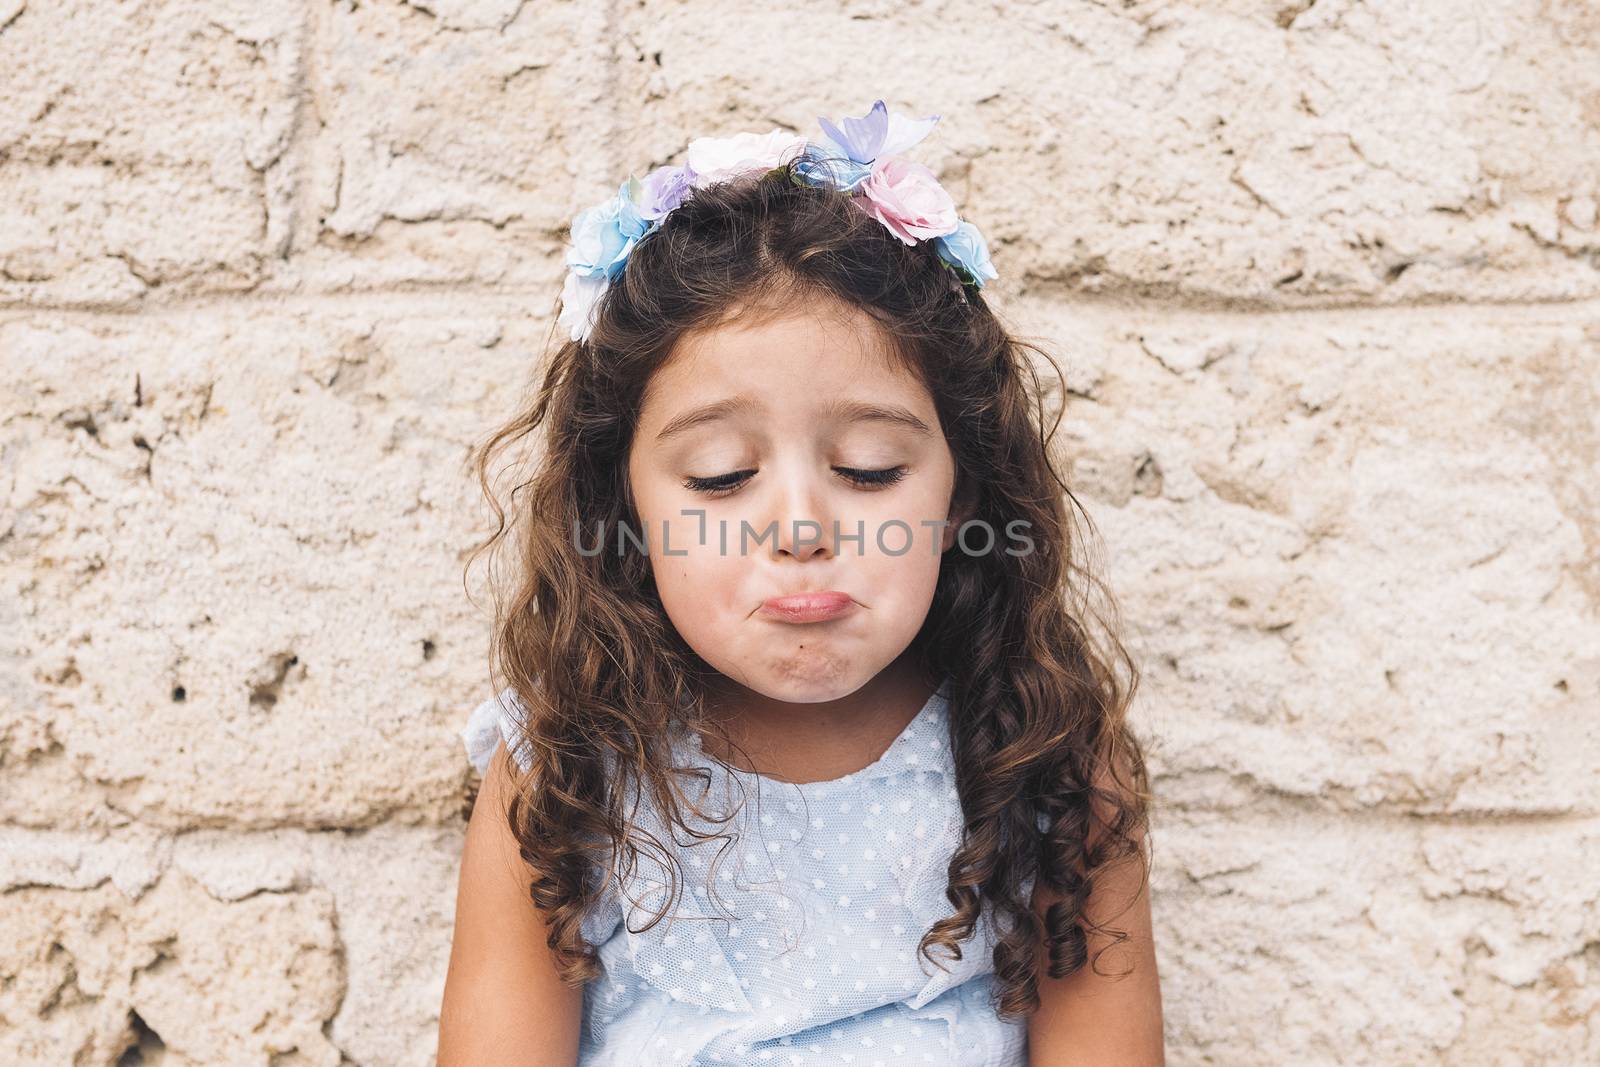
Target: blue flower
(967, 250)
(817, 165)
(603, 236)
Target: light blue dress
(797, 945)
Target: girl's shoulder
(500, 718)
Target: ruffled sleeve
(497, 719)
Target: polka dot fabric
(794, 943)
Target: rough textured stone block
(1389, 941)
(450, 138)
(142, 146)
(1246, 153)
(1361, 555)
(181, 977)
(281, 947)
(235, 563)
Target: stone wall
(1325, 279)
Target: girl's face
(792, 457)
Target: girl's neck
(815, 742)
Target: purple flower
(663, 190)
(877, 134)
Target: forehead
(813, 354)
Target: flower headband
(862, 161)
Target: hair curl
(1038, 709)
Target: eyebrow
(721, 409)
(836, 410)
(893, 414)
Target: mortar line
(449, 301)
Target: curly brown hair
(1038, 698)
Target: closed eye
(726, 484)
(885, 476)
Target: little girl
(805, 750)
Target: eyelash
(723, 484)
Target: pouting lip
(817, 606)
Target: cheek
(698, 588)
(907, 524)
(904, 583)
(901, 583)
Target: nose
(802, 510)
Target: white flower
(712, 159)
(579, 296)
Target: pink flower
(908, 199)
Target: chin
(806, 679)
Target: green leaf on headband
(635, 190)
(962, 274)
